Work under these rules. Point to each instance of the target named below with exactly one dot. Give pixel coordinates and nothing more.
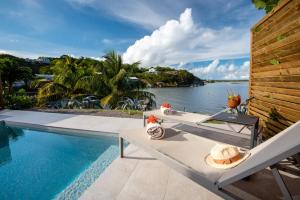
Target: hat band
(229, 160)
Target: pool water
(42, 165)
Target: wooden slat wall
(275, 68)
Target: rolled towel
(166, 111)
(155, 131)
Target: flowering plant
(166, 105)
(152, 119)
(233, 100)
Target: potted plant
(233, 100)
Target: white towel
(155, 131)
(166, 111)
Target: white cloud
(22, 54)
(135, 11)
(116, 41)
(31, 3)
(98, 58)
(3, 52)
(34, 15)
(183, 41)
(215, 70)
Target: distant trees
(72, 78)
(169, 77)
(109, 80)
(11, 71)
(116, 76)
(267, 5)
(1, 92)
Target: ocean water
(43, 165)
(207, 99)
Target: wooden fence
(275, 68)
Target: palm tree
(107, 79)
(1, 93)
(12, 71)
(72, 78)
(116, 77)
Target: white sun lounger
(185, 153)
(199, 121)
(179, 116)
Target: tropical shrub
(73, 78)
(116, 76)
(11, 70)
(108, 80)
(20, 100)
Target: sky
(209, 38)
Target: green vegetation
(72, 78)
(107, 80)
(168, 77)
(274, 62)
(20, 100)
(280, 37)
(111, 83)
(118, 85)
(267, 5)
(11, 70)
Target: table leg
(144, 120)
(254, 131)
(121, 147)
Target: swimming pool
(37, 164)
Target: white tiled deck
(80, 122)
(138, 175)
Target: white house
(152, 70)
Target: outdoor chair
(185, 153)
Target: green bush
(20, 100)
(267, 5)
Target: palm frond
(52, 91)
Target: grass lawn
(97, 112)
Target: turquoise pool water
(43, 165)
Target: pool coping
(59, 130)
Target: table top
(243, 119)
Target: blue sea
(207, 99)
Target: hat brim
(209, 160)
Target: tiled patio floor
(138, 176)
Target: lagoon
(207, 99)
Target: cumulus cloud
(183, 40)
(138, 12)
(215, 70)
(3, 52)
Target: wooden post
(121, 147)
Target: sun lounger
(178, 116)
(198, 120)
(185, 153)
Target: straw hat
(225, 156)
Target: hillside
(34, 64)
(152, 77)
(168, 77)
